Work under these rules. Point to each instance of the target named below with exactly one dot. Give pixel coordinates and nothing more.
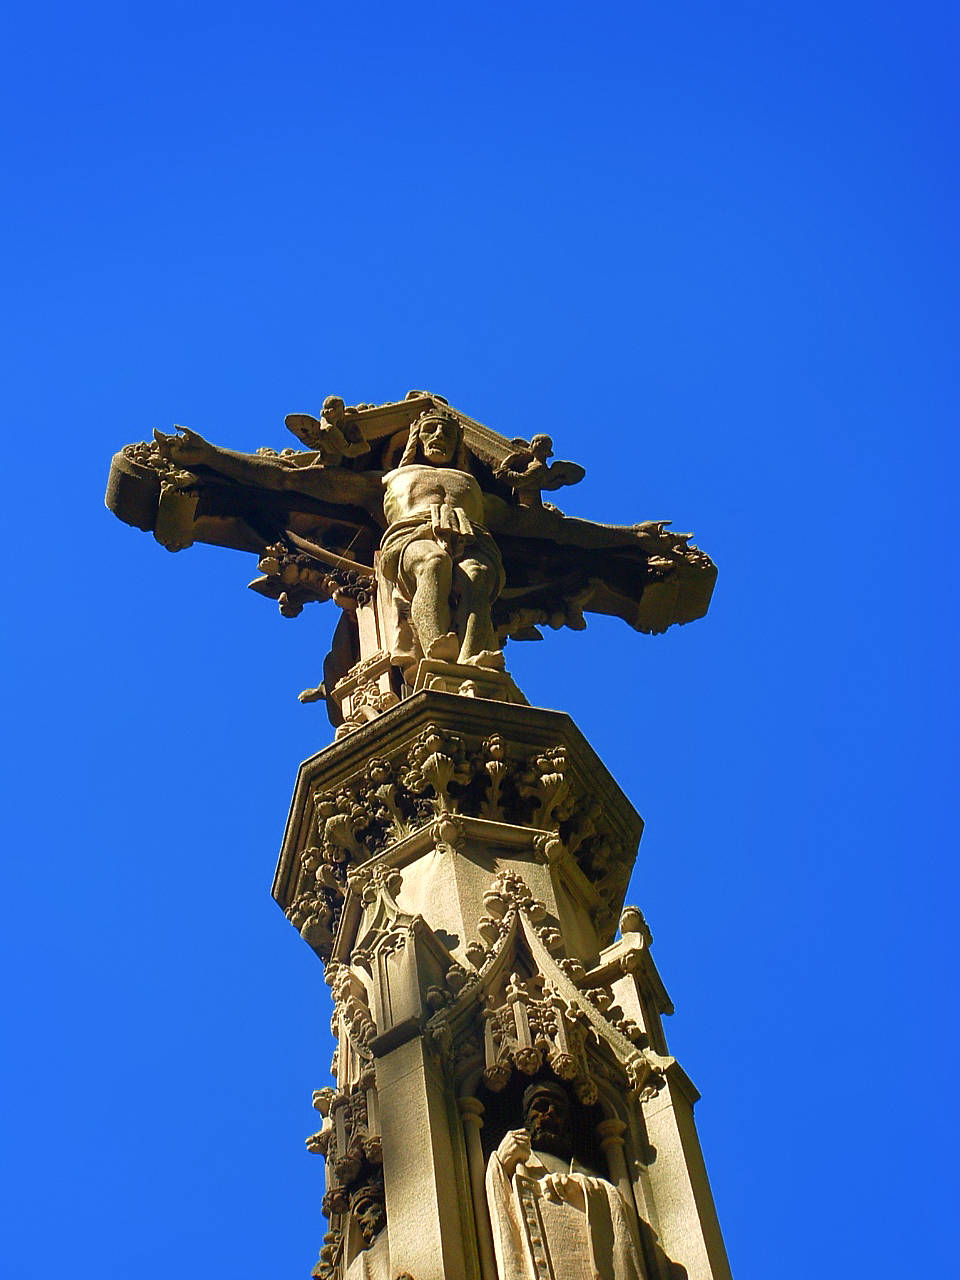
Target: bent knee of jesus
(427, 559)
(479, 574)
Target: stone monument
(504, 1106)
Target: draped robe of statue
(539, 1233)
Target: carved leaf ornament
(544, 1018)
(437, 776)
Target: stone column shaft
(610, 1133)
(423, 1180)
(471, 1112)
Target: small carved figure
(550, 1214)
(527, 471)
(368, 1247)
(319, 1143)
(366, 1205)
(335, 436)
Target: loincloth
(477, 544)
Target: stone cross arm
(427, 529)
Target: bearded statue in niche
(551, 1215)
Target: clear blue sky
(711, 249)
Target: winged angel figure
(427, 528)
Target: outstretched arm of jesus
(327, 484)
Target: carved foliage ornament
(437, 776)
(294, 578)
(534, 1015)
(349, 1138)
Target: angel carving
(528, 473)
(333, 436)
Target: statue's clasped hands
(515, 1149)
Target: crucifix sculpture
(428, 530)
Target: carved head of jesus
(436, 438)
(546, 1117)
